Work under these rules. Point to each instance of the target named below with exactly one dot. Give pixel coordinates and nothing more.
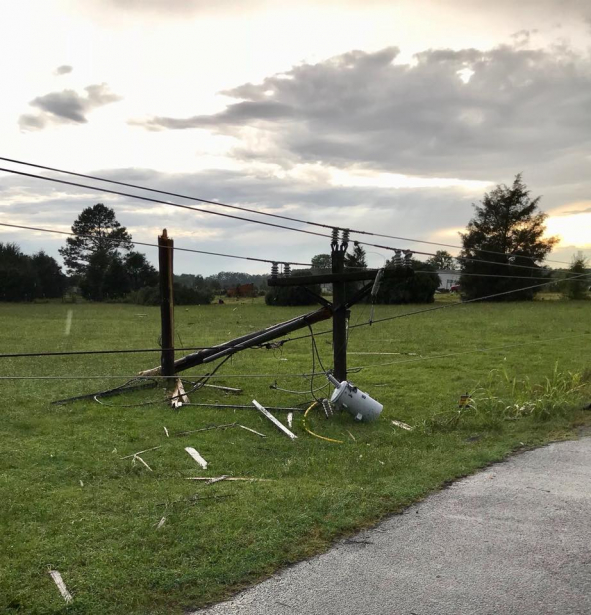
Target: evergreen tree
(95, 230)
(507, 229)
(98, 237)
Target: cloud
(67, 106)
(482, 113)
(181, 8)
(64, 69)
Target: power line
(254, 211)
(155, 245)
(242, 218)
(438, 307)
(308, 374)
(455, 354)
(67, 353)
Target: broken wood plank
(196, 456)
(273, 420)
(57, 579)
(289, 419)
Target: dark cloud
(64, 69)
(67, 106)
(468, 113)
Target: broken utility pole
(165, 264)
(341, 313)
(338, 310)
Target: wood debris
(186, 433)
(161, 523)
(196, 456)
(258, 433)
(140, 459)
(179, 396)
(402, 425)
(57, 579)
(273, 420)
(351, 436)
(139, 452)
(289, 419)
(166, 432)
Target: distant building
(447, 280)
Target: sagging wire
(275, 387)
(315, 354)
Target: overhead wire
(155, 245)
(254, 211)
(435, 308)
(242, 218)
(307, 374)
(475, 350)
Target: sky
(387, 116)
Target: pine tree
(505, 239)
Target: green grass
(68, 502)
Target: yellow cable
(315, 434)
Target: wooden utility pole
(165, 263)
(339, 322)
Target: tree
(419, 288)
(24, 278)
(293, 295)
(577, 288)
(96, 231)
(98, 237)
(51, 281)
(321, 261)
(17, 278)
(507, 229)
(140, 272)
(357, 259)
(442, 260)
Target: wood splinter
(179, 396)
(57, 579)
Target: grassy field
(69, 502)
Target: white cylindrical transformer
(348, 397)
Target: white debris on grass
(196, 456)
